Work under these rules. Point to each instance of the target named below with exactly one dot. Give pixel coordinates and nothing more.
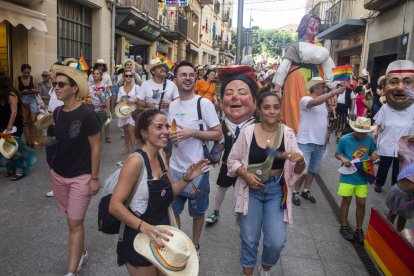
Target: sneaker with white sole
(262, 272)
(50, 194)
(295, 198)
(213, 218)
(198, 252)
(70, 274)
(83, 259)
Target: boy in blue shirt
(357, 144)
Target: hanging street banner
(176, 3)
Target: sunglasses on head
(61, 84)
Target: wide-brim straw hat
(75, 75)
(383, 100)
(178, 257)
(362, 125)
(314, 81)
(100, 61)
(7, 149)
(68, 61)
(124, 110)
(380, 80)
(44, 121)
(155, 62)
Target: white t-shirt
(313, 123)
(53, 101)
(185, 114)
(353, 97)
(394, 124)
(133, 94)
(151, 91)
(106, 79)
(341, 98)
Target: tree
(271, 42)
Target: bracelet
(139, 226)
(244, 175)
(95, 178)
(186, 179)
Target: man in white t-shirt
(188, 144)
(312, 133)
(158, 92)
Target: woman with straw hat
(75, 164)
(127, 100)
(19, 158)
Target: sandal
(17, 177)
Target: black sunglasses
(61, 84)
(128, 76)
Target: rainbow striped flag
(285, 192)
(8, 138)
(167, 62)
(82, 65)
(392, 253)
(366, 169)
(342, 73)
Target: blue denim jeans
(265, 214)
(312, 153)
(198, 206)
(30, 100)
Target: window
(4, 47)
(74, 30)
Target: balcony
(339, 23)
(381, 5)
(177, 27)
(206, 2)
(217, 7)
(226, 16)
(215, 44)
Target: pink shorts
(72, 195)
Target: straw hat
(380, 80)
(100, 61)
(76, 75)
(44, 121)
(155, 62)
(177, 257)
(8, 149)
(124, 110)
(383, 100)
(314, 81)
(68, 61)
(362, 124)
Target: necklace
(271, 133)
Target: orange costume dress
(303, 61)
(205, 89)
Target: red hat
(238, 72)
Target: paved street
(33, 234)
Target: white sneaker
(50, 194)
(70, 274)
(83, 259)
(262, 272)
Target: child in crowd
(357, 144)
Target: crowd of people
(270, 124)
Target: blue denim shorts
(312, 154)
(196, 207)
(30, 100)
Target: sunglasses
(128, 76)
(61, 84)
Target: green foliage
(271, 42)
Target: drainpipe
(112, 6)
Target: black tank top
(258, 155)
(23, 87)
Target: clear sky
(269, 14)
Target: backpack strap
(200, 117)
(164, 85)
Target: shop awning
(131, 20)
(342, 29)
(16, 15)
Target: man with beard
(238, 93)
(188, 138)
(395, 119)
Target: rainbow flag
(392, 253)
(8, 138)
(342, 73)
(366, 169)
(82, 65)
(167, 62)
(285, 192)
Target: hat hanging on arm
(8, 147)
(124, 110)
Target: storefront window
(74, 30)
(4, 48)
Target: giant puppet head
(238, 92)
(310, 26)
(399, 83)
